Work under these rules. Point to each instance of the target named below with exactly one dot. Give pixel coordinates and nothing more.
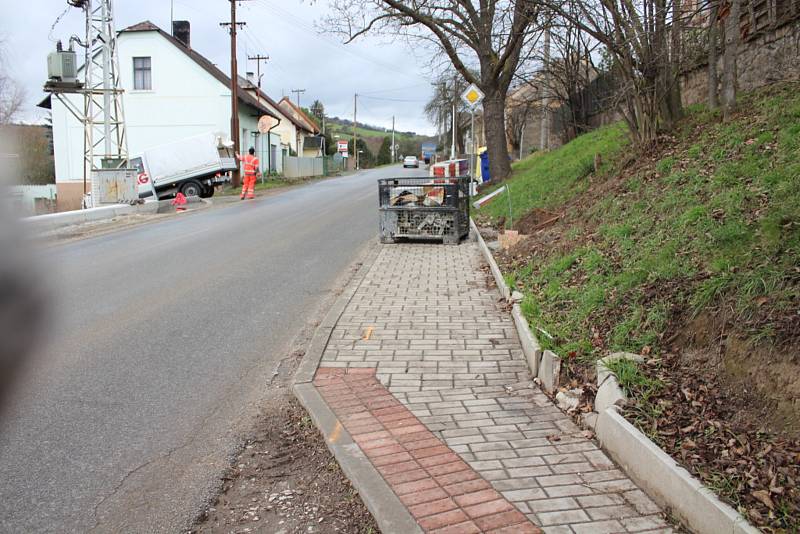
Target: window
(142, 75)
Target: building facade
(170, 92)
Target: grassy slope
(704, 232)
(716, 219)
(546, 180)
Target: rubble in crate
(424, 208)
(425, 223)
(427, 196)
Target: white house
(290, 108)
(292, 130)
(171, 92)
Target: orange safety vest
(250, 164)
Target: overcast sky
(391, 77)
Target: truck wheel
(192, 188)
(208, 192)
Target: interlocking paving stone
(448, 413)
(438, 487)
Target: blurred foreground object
(22, 301)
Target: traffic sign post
(472, 96)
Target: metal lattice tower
(105, 140)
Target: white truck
(192, 166)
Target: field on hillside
(690, 255)
(362, 131)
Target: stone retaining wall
(767, 58)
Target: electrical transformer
(62, 66)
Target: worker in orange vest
(250, 162)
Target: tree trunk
(676, 60)
(713, 37)
(494, 124)
(729, 61)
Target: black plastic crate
(424, 208)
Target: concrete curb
(530, 345)
(384, 505)
(666, 482)
(487, 254)
(54, 221)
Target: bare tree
(490, 37)
(713, 38)
(643, 38)
(567, 75)
(12, 98)
(439, 109)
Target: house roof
(294, 110)
(199, 59)
(250, 86)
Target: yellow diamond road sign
(472, 96)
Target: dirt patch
(535, 220)
(717, 428)
(286, 481)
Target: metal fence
(297, 167)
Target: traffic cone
(179, 202)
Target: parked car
(411, 161)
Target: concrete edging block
(609, 391)
(549, 371)
(384, 505)
(530, 345)
(666, 482)
(487, 254)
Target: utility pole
(298, 92)
(545, 126)
(453, 145)
(258, 59)
(394, 158)
(355, 137)
(233, 25)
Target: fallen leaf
(763, 497)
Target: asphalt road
(165, 339)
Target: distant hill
(367, 130)
(410, 142)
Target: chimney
(181, 30)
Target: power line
(298, 92)
(385, 99)
(395, 89)
(330, 42)
(258, 58)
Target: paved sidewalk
(425, 372)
